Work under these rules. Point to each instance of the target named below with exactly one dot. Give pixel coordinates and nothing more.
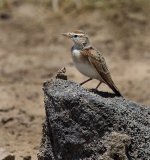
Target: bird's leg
(98, 85)
(85, 81)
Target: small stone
(61, 74)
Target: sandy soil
(32, 50)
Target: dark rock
(82, 125)
(5, 16)
(4, 155)
(27, 158)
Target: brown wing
(98, 61)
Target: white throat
(76, 53)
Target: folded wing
(98, 61)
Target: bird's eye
(75, 36)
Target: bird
(89, 61)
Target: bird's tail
(116, 90)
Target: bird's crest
(80, 32)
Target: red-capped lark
(89, 61)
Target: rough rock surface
(82, 125)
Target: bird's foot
(94, 90)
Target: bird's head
(79, 38)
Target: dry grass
(107, 5)
(123, 15)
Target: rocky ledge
(82, 125)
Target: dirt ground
(32, 50)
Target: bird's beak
(66, 35)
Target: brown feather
(98, 61)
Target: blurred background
(32, 50)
